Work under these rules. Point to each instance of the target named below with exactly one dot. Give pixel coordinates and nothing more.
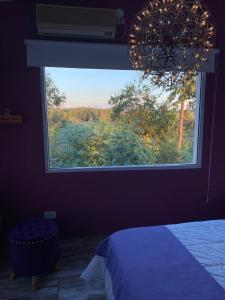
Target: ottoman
(34, 248)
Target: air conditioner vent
(75, 21)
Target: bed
(183, 261)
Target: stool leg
(12, 275)
(35, 283)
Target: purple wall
(95, 203)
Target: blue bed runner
(150, 263)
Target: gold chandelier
(170, 40)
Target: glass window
(111, 119)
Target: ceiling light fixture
(170, 40)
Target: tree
(53, 95)
(169, 153)
(125, 148)
(178, 95)
(72, 147)
(138, 108)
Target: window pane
(111, 118)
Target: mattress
(204, 253)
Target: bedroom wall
(96, 202)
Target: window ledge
(127, 168)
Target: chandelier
(170, 40)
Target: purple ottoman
(34, 248)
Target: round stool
(34, 249)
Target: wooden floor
(62, 285)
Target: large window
(111, 119)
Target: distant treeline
(80, 114)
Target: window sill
(125, 169)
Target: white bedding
(204, 240)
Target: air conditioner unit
(70, 21)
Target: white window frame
(198, 133)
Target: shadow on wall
(8, 214)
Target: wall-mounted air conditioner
(70, 21)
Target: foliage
(186, 91)
(54, 97)
(136, 130)
(126, 148)
(87, 145)
(138, 108)
(169, 153)
(182, 95)
(72, 147)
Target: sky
(90, 87)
